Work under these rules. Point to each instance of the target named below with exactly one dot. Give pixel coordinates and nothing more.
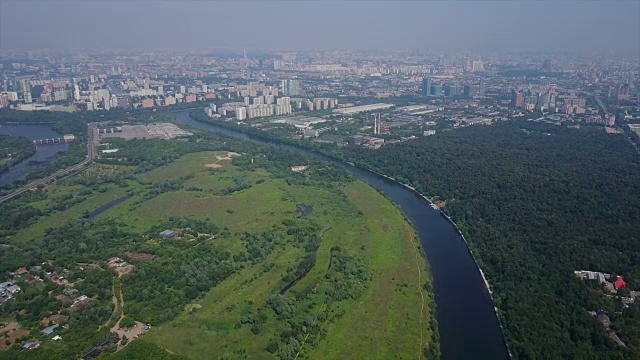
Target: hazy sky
(589, 26)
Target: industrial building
(363, 108)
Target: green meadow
(352, 268)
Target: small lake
(106, 207)
(44, 153)
(305, 209)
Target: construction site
(165, 131)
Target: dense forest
(537, 202)
(13, 150)
(76, 122)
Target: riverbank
(473, 255)
(13, 150)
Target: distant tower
(376, 124)
(245, 65)
(426, 87)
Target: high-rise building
(12, 95)
(269, 99)
(436, 90)
(468, 91)
(546, 65)
(60, 95)
(76, 92)
(290, 87)
(531, 101)
(426, 87)
(26, 90)
(169, 100)
(453, 90)
(147, 103)
(241, 113)
(517, 100)
(477, 66)
(4, 101)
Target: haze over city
(196, 180)
(355, 25)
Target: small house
(31, 345)
(13, 289)
(168, 233)
(49, 330)
(620, 283)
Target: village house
(20, 271)
(31, 345)
(8, 290)
(168, 233)
(49, 330)
(80, 301)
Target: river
(469, 327)
(44, 153)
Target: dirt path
(114, 301)
(116, 327)
(130, 333)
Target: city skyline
(586, 27)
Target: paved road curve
(92, 137)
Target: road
(92, 138)
(604, 108)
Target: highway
(92, 138)
(604, 108)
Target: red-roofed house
(620, 282)
(20, 271)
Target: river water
(469, 328)
(44, 153)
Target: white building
(241, 113)
(363, 108)
(76, 92)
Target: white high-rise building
(241, 113)
(25, 86)
(290, 87)
(269, 99)
(76, 92)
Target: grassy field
(389, 318)
(380, 235)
